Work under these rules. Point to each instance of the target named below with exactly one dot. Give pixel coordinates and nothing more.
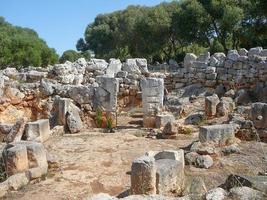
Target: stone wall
(237, 69)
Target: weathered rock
(14, 95)
(232, 55)
(177, 155)
(195, 186)
(17, 181)
(259, 114)
(152, 95)
(189, 59)
(225, 106)
(195, 119)
(143, 176)
(256, 182)
(106, 94)
(170, 131)
(82, 94)
(162, 120)
(246, 193)
(15, 159)
(231, 149)
(204, 161)
(73, 120)
(114, 67)
(216, 194)
(220, 134)
(191, 157)
(97, 64)
(38, 130)
(169, 176)
(211, 103)
(16, 132)
(242, 97)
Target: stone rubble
(219, 97)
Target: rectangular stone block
(220, 134)
(162, 120)
(143, 176)
(169, 176)
(38, 130)
(152, 88)
(15, 159)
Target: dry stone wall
(237, 69)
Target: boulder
(216, 194)
(82, 94)
(96, 64)
(73, 120)
(204, 161)
(170, 131)
(246, 193)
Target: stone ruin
(37, 103)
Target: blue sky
(61, 22)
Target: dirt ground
(93, 162)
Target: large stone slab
(219, 134)
(152, 95)
(106, 93)
(38, 130)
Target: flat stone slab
(220, 134)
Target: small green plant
(99, 115)
(109, 122)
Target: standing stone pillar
(106, 96)
(143, 176)
(152, 99)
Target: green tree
(72, 56)
(21, 47)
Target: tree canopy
(21, 47)
(169, 30)
(72, 55)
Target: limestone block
(152, 94)
(106, 93)
(38, 130)
(114, 67)
(210, 105)
(220, 134)
(15, 159)
(143, 176)
(169, 176)
(162, 120)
